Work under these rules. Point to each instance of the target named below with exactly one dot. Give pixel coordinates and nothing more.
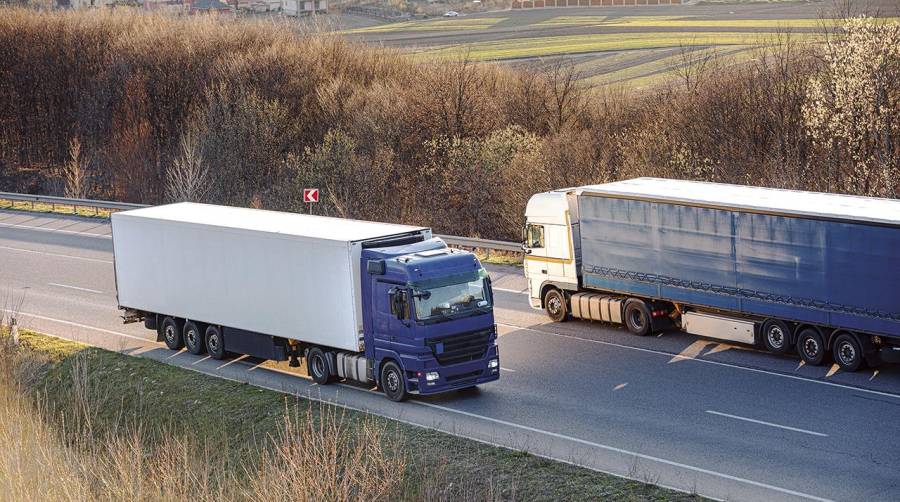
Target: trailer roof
(754, 199)
(302, 225)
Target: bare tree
(693, 64)
(566, 101)
(75, 171)
(187, 178)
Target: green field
(555, 46)
(606, 49)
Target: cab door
(389, 332)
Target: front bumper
(457, 376)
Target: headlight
(494, 363)
(432, 376)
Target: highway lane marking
(516, 291)
(705, 361)
(474, 415)
(60, 231)
(770, 424)
(507, 369)
(84, 326)
(58, 255)
(88, 290)
(623, 451)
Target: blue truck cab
(428, 319)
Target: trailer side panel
(841, 274)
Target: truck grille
(455, 349)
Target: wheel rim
(318, 366)
(776, 337)
(554, 305)
(191, 338)
(637, 319)
(170, 333)
(213, 342)
(811, 347)
(847, 353)
(392, 381)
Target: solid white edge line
(770, 424)
(704, 361)
(23, 250)
(516, 291)
(629, 453)
(84, 326)
(88, 290)
(59, 231)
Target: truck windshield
(438, 301)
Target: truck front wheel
(555, 305)
(215, 342)
(637, 318)
(392, 382)
(171, 333)
(317, 366)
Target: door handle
(543, 270)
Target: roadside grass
(91, 212)
(559, 45)
(499, 258)
(99, 425)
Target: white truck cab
(550, 241)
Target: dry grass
(64, 454)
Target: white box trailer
(281, 274)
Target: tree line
(147, 108)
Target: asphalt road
(727, 422)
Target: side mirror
(375, 267)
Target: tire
(848, 352)
(776, 336)
(392, 382)
(317, 366)
(171, 333)
(637, 318)
(215, 342)
(194, 335)
(555, 306)
(811, 347)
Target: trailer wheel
(776, 336)
(215, 342)
(194, 337)
(848, 353)
(171, 333)
(811, 346)
(392, 382)
(317, 366)
(555, 305)
(637, 317)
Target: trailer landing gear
(294, 362)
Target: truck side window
(534, 236)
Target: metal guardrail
(65, 201)
(452, 240)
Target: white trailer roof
(755, 199)
(302, 225)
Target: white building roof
(302, 225)
(755, 199)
